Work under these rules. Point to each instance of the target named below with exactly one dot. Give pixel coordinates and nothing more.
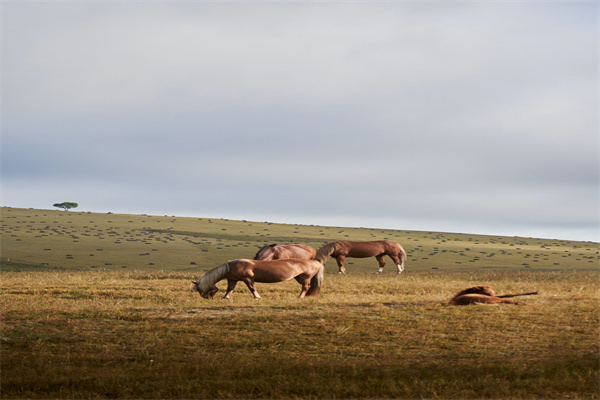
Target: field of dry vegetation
(71, 330)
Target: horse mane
(485, 290)
(326, 251)
(262, 250)
(211, 277)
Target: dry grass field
(122, 323)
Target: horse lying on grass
(279, 251)
(484, 295)
(378, 249)
(308, 273)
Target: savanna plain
(99, 306)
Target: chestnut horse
(378, 249)
(278, 251)
(308, 273)
(484, 295)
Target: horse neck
(403, 255)
(262, 251)
(395, 247)
(325, 252)
(213, 276)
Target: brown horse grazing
(378, 249)
(484, 295)
(278, 251)
(308, 273)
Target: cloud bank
(464, 117)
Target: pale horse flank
(278, 251)
(308, 273)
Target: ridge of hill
(37, 239)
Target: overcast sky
(474, 117)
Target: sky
(472, 117)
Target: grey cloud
(475, 116)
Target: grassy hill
(100, 308)
(34, 239)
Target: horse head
(208, 294)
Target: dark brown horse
(308, 273)
(484, 295)
(378, 249)
(279, 251)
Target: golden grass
(118, 334)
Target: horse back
(278, 251)
(270, 271)
(311, 252)
(367, 249)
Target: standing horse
(378, 249)
(308, 273)
(484, 295)
(278, 251)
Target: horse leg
(230, 286)
(305, 282)
(380, 258)
(340, 262)
(398, 262)
(250, 283)
(513, 302)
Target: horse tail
(402, 256)
(260, 252)
(326, 251)
(316, 282)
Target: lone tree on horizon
(66, 205)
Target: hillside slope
(51, 239)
